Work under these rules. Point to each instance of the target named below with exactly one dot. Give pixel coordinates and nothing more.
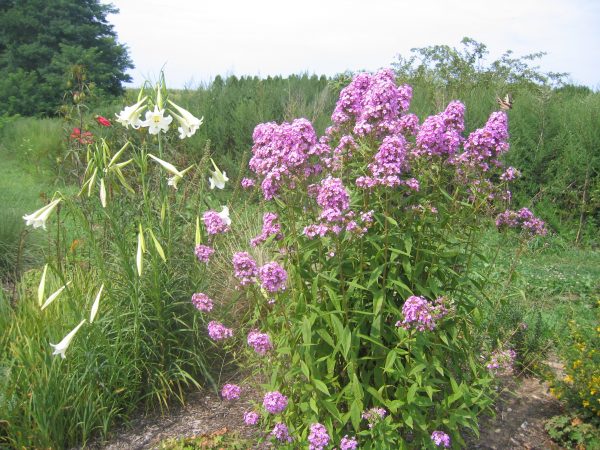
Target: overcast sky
(195, 40)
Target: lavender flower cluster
(260, 342)
(231, 392)
(203, 252)
(420, 314)
(441, 134)
(318, 437)
(244, 268)
(523, 219)
(440, 438)
(501, 361)
(282, 154)
(281, 432)
(214, 223)
(374, 415)
(269, 228)
(485, 145)
(217, 331)
(202, 302)
(275, 402)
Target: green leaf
(321, 387)
(412, 391)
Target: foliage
(41, 42)
(569, 430)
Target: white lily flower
(102, 193)
(156, 122)
(95, 305)
(53, 296)
(42, 286)
(218, 178)
(167, 165)
(189, 123)
(39, 217)
(224, 215)
(172, 181)
(61, 347)
(131, 115)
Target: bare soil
(523, 406)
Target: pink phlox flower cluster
(261, 342)
(374, 415)
(420, 314)
(333, 195)
(217, 331)
(231, 392)
(318, 437)
(273, 277)
(281, 432)
(523, 219)
(440, 438)
(485, 145)
(213, 223)
(441, 134)
(244, 268)
(348, 443)
(388, 163)
(501, 361)
(275, 402)
(203, 252)
(269, 228)
(247, 183)
(344, 150)
(372, 103)
(202, 302)
(251, 418)
(281, 154)
(510, 174)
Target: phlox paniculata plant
(368, 306)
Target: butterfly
(505, 103)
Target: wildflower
(131, 115)
(175, 179)
(217, 331)
(374, 415)
(156, 122)
(42, 286)
(348, 443)
(203, 252)
(318, 437)
(61, 347)
(251, 417)
(187, 121)
(281, 432)
(273, 277)
(103, 121)
(84, 138)
(53, 296)
(275, 402)
(202, 302)
(96, 304)
(39, 217)
(214, 223)
(244, 268)
(247, 183)
(218, 178)
(269, 228)
(102, 193)
(261, 342)
(231, 392)
(440, 438)
(224, 215)
(501, 361)
(177, 175)
(421, 314)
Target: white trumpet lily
(172, 181)
(131, 115)
(39, 217)
(218, 178)
(189, 123)
(102, 193)
(156, 122)
(42, 286)
(224, 215)
(61, 347)
(53, 296)
(95, 305)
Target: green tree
(40, 42)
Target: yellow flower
(568, 379)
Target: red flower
(84, 138)
(103, 121)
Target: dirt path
(523, 407)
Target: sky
(196, 40)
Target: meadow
(123, 239)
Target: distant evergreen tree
(41, 41)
